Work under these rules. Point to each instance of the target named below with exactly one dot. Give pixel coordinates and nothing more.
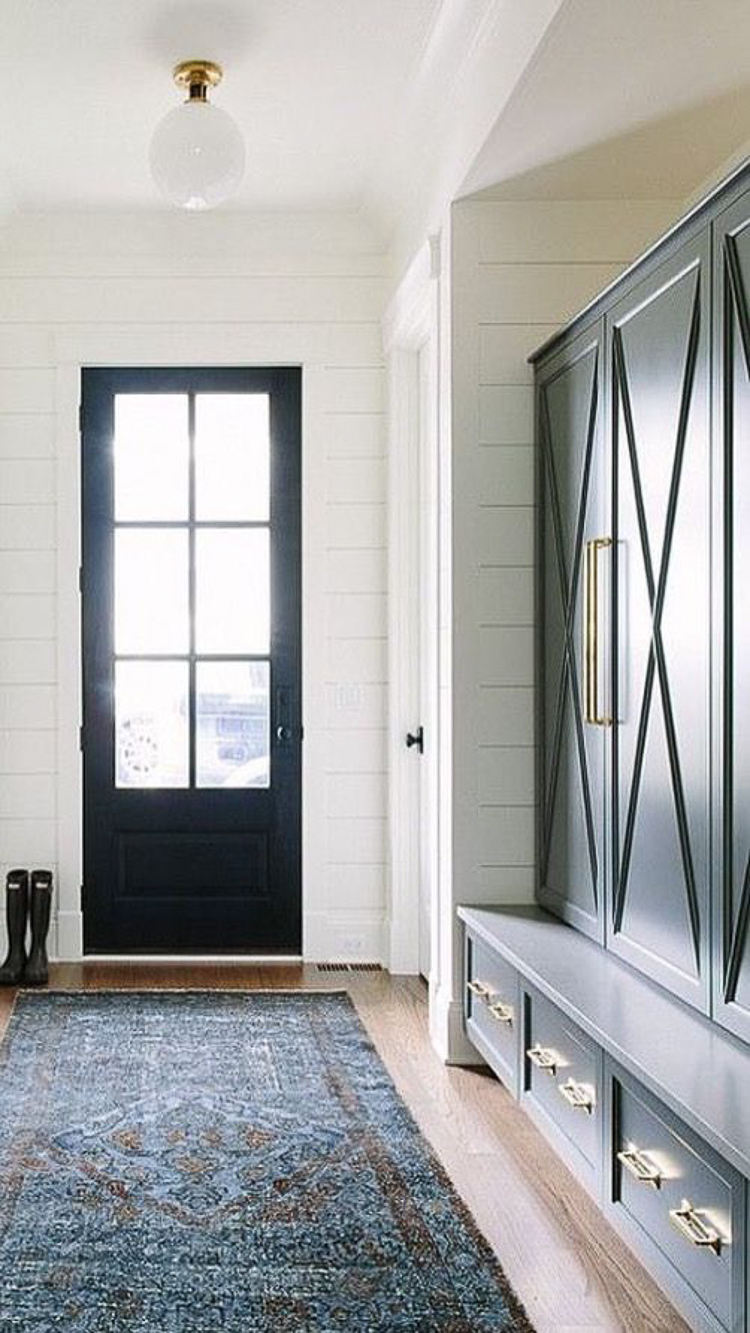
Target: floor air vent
(349, 967)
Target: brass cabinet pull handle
(640, 1167)
(591, 712)
(543, 1058)
(576, 1095)
(479, 989)
(690, 1224)
(502, 1012)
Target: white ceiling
(373, 107)
(624, 99)
(325, 92)
(377, 107)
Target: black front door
(191, 649)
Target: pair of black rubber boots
(28, 902)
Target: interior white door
(427, 657)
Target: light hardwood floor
(566, 1264)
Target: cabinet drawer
(680, 1194)
(562, 1076)
(491, 1009)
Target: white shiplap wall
(217, 289)
(519, 270)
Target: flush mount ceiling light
(197, 155)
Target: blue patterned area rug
(223, 1161)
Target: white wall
(222, 289)
(518, 270)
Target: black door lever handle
(416, 738)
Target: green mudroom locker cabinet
(619, 1010)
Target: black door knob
(416, 738)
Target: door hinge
(81, 737)
(80, 578)
(83, 897)
(80, 418)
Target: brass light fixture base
(197, 76)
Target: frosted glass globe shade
(197, 155)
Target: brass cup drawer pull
(577, 1095)
(502, 1012)
(690, 1224)
(479, 989)
(543, 1058)
(640, 1167)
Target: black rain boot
(36, 972)
(17, 912)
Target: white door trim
(411, 324)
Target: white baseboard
(66, 937)
(447, 1030)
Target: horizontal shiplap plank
(28, 527)
(573, 231)
(25, 436)
(356, 615)
(26, 480)
(28, 796)
(27, 617)
(506, 655)
(505, 715)
(505, 535)
(364, 660)
(350, 526)
(538, 293)
(28, 842)
(352, 794)
(506, 835)
(356, 887)
(506, 414)
(348, 750)
(504, 350)
(28, 571)
(89, 299)
(28, 751)
(27, 389)
(506, 775)
(356, 479)
(356, 841)
(23, 706)
(506, 596)
(24, 347)
(355, 435)
(356, 571)
(28, 661)
(506, 475)
(353, 389)
(355, 704)
(505, 884)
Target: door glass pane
(231, 456)
(232, 590)
(151, 456)
(151, 591)
(232, 721)
(151, 724)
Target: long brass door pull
(591, 712)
